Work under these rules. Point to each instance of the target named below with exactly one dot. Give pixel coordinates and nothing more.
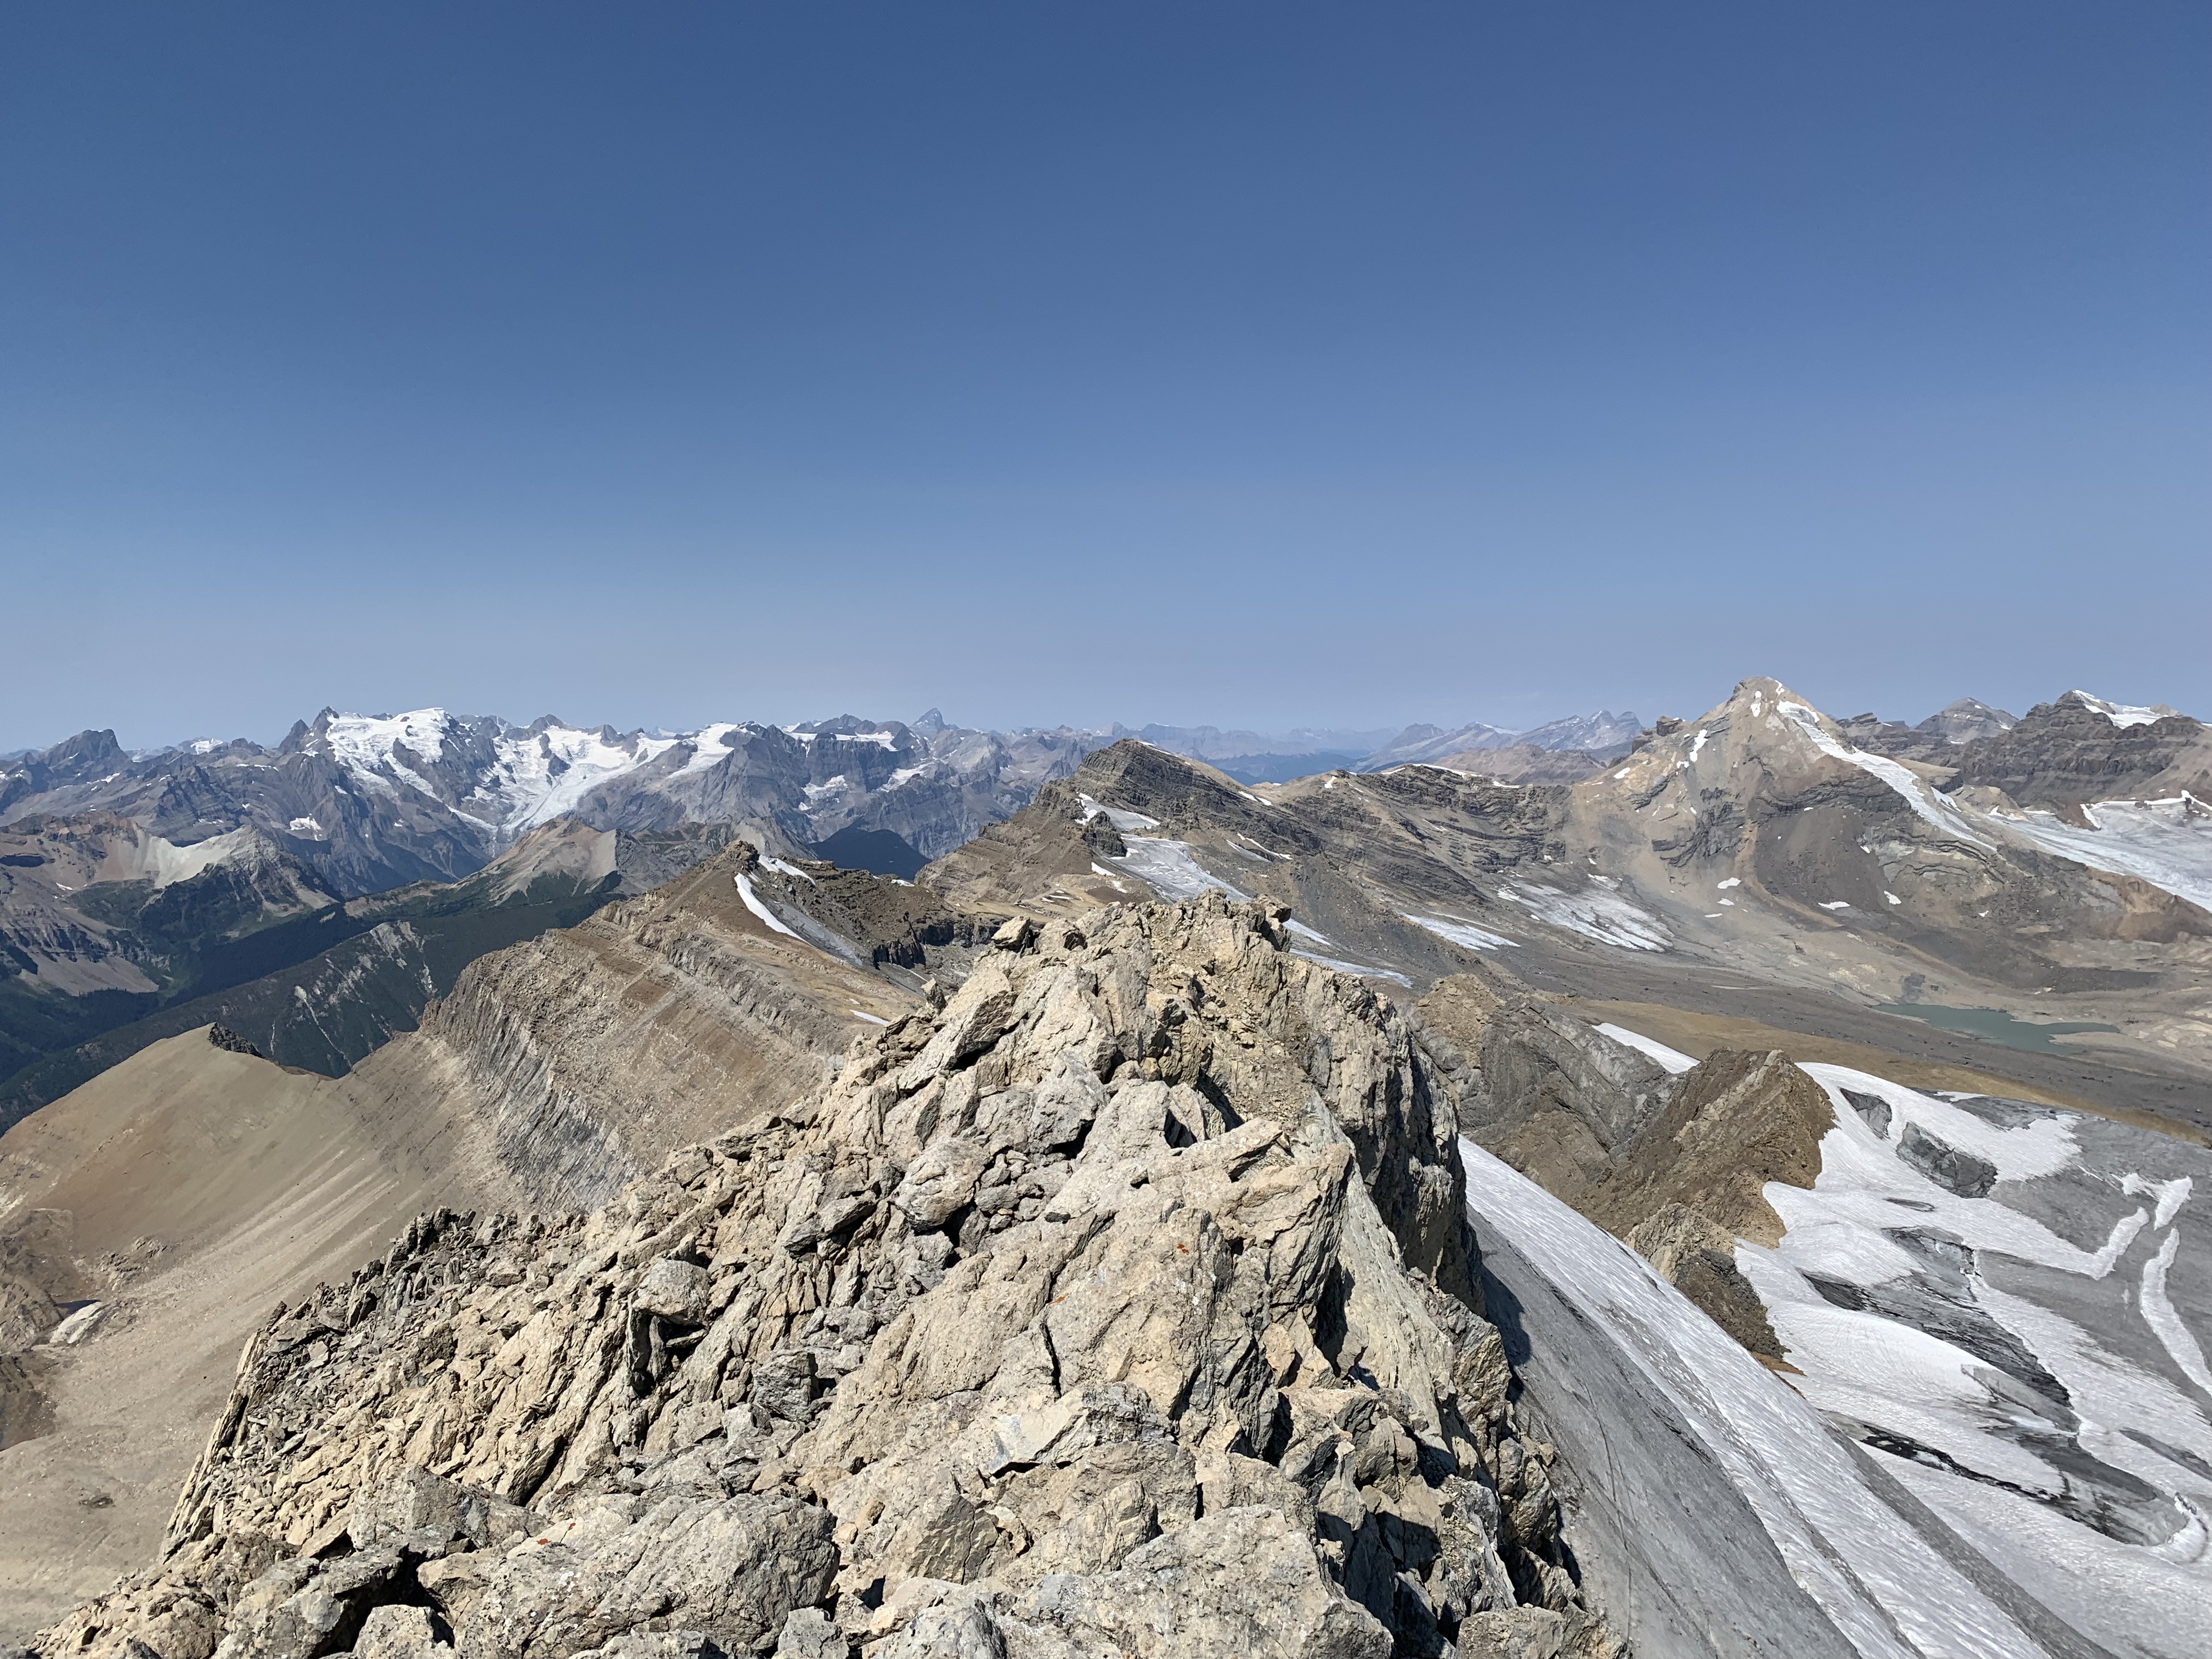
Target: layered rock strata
(1125, 1304)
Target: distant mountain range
(369, 802)
(2058, 867)
(317, 894)
(366, 803)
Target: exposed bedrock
(1125, 1304)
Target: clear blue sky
(1258, 364)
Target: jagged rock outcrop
(1675, 1166)
(2071, 749)
(223, 1037)
(1124, 1303)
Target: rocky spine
(1124, 1303)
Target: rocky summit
(1124, 1303)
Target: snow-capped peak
(366, 741)
(2120, 713)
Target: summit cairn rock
(1126, 1302)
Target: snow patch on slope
(1595, 913)
(1167, 867)
(2076, 1467)
(1464, 933)
(1114, 815)
(2120, 713)
(1919, 795)
(1673, 1059)
(2167, 843)
(754, 903)
(550, 774)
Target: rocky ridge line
(1126, 1302)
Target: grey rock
(398, 1631)
(1535, 1058)
(1949, 1167)
(658, 1644)
(1873, 1110)
(303, 1610)
(415, 1501)
(942, 1181)
(730, 1569)
(808, 1633)
(676, 1290)
(1240, 1583)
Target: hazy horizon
(1379, 732)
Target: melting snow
(784, 869)
(753, 903)
(1354, 968)
(1595, 913)
(1168, 868)
(1858, 1559)
(709, 748)
(1461, 932)
(1931, 808)
(2120, 713)
(77, 1326)
(1874, 1223)
(2166, 1324)
(2171, 1195)
(1115, 815)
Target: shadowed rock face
(1124, 1303)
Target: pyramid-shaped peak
(1760, 695)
